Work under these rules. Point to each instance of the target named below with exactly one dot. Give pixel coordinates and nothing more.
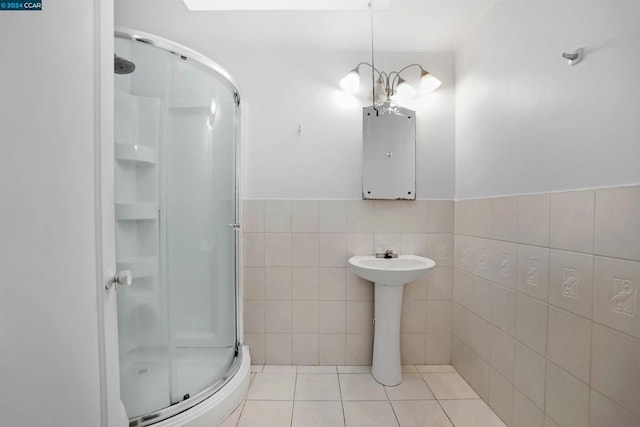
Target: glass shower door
(199, 244)
(175, 183)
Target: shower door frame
(175, 48)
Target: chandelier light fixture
(388, 85)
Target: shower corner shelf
(136, 153)
(136, 211)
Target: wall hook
(574, 57)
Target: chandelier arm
(370, 66)
(412, 65)
(384, 79)
(394, 82)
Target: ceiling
(406, 25)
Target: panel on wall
(389, 153)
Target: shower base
(146, 375)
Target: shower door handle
(235, 226)
(122, 278)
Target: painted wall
(285, 89)
(526, 121)
(49, 363)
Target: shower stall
(176, 192)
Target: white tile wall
(504, 270)
(569, 342)
(531, 323)
(277, 249)
(525, 413)
(566, 398)
(534, 297)
(253, 216)
(303, 305)
(277, 283)
(615, 367)
(358, 350)
(502, 352)
(605, 412)
(571, 220)
(277, 216)
(483, 218)
(563, 318)
(533, 271)
(332, 216)
(615, 294)
(500, 395)
(505, 218)
(305, 249)
(305, 349)
(304, 215)
(617, 222)
(533, 219)
(571, 281)
(529, 371)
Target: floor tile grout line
(426, 383)
(391, 404)
(463, 398)
(293, 398)
(244, 400)
(241, 407)
(445, 413)
(344, 415)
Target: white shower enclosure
(176, 193)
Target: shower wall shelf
(140, 266)
(136, 211)
(136, 153)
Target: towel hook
(574, 57)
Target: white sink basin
(391, 271)
(389, 275)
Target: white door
(107, 298)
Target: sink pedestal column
(386, 367)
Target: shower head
(122, 66)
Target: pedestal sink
(389, 276)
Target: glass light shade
(428, 83)
(380, 90)
(404, 90)
(351, 82)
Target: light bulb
(428, 83)
(351, 82)
(404, 90)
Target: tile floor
(348, 396)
